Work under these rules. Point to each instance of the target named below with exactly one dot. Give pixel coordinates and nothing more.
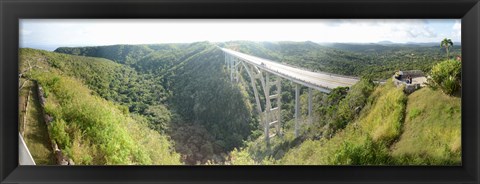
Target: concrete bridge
(265, 70)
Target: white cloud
(457, 30)
(457, 25)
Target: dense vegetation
(90, 129)
(124, 54)
(154, 93)
(447, 76)
(333, 112)
(208, 114)
(205, 97)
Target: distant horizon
(53, 47)
(50, 33)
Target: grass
(432, 131)
(93, 131)
(364, 141)
(386, 116)
(35, 133)
(90, 129)
(393, 129)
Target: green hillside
(180, 89)
(422, 128)
(124, 54)
(364, 141)
(90, 129)
(432, 129)
(175, 103)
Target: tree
(446, 43)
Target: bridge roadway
(321, 81)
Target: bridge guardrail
(285, 75)
(328, 73)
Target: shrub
(59, 134)
(446, 76)
(241, 157)
(350, 106)
(366, 153)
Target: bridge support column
(228, 63)
(239, 71)
(253, 78)
(271, 115)
(297, 108)
(268, 107)
(310, 105)
(226, 58)
(232, 67)
(279, 105)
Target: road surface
(318, 80)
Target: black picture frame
(13, 10)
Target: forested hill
(131, 54)
(374, 60)
(125, 54)
(379, 47)
(182, 89)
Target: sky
(48, 34)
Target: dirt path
(35, 133)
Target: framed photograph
(239, 91)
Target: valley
(175, 104)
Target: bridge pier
(236, 69)
(279, 105)
(310, 105)
(253, 78)
(229, 62)
(268, 107)
(297, 108)
(270, 116)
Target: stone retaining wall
(61, 158)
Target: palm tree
(446, 43)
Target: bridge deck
(318, 80)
